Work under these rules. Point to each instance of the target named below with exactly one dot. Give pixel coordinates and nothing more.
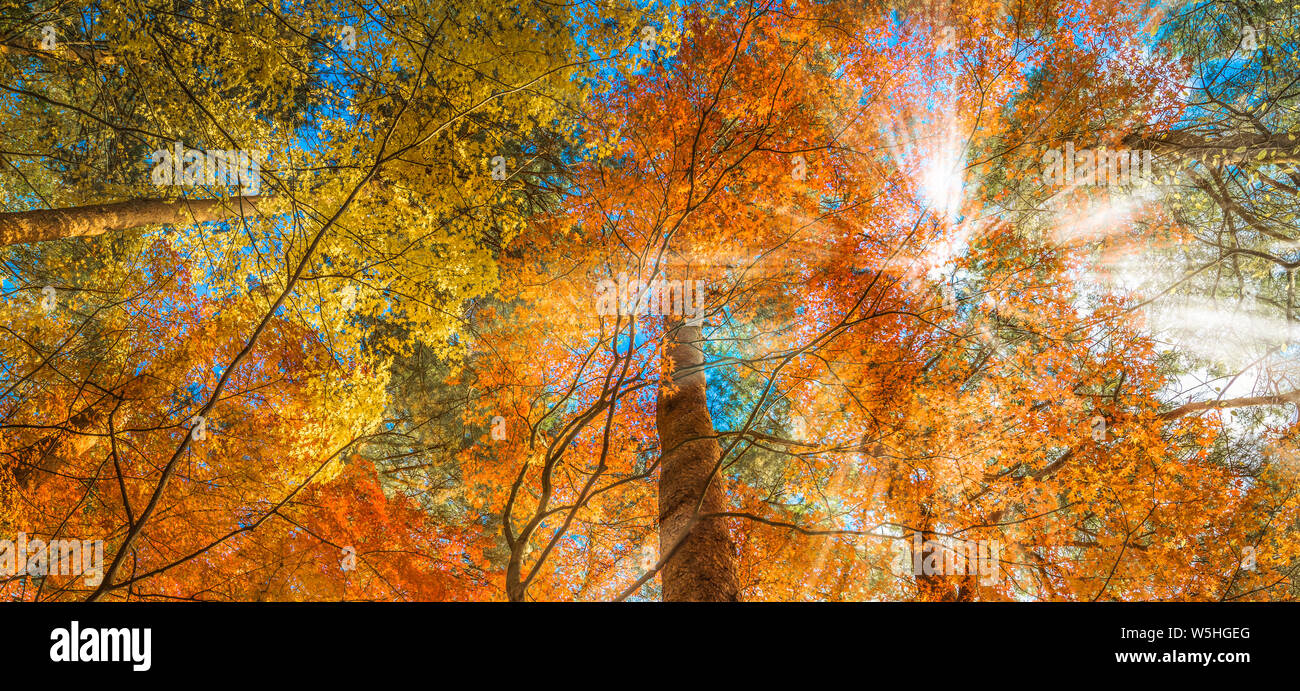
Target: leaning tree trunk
(703, 568)
(20, 227)
(1236, 148)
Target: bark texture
(703, 569)
(1237, 148)
(943, 587)
(63, 50)
(20, 227)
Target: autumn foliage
(419, 368)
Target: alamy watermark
(1070, 167)
(93, 644)
(190, 167)
(58, 557)
(947, 556)
(658, 297)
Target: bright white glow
(942, 181)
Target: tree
(340, 154)
(799, 300)
(866, 407)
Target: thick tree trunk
(62, 50)
(1236, 148)
(943, 587)
(703, 569)
(20, 227)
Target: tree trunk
(1236, 148)
(703, 569)
(62, 50)
(20, 227)
(943, 587)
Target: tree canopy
(725, 300)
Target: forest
(649, 300)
